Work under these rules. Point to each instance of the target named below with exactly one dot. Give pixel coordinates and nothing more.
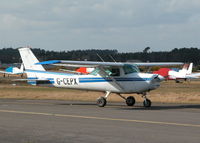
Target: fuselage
(129, 83)
(177, 75)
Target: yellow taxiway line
(101, 118)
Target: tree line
(186, 55)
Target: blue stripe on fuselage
(89, 79)
(33, 80)
(84, 80)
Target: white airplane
(109, 77)
(13, 70)
(185, 73)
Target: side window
(95, 71)
(130, 69)
(115, 72)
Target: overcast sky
(125, 25)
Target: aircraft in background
(85, 70)
(13, 70)
(109, 77)
(185, 73)
(81, 70)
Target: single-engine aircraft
(185, 73)
(109, 77)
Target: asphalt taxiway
(53, 121)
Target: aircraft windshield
(130, 69)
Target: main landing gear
(102, 101)
(130, 100)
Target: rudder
(189, 71)
(29, 59)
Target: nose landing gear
(146, 102)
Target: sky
(125, 25)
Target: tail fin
(29, 59)
(189, 71)
(185, 67)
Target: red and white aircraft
(185, 73)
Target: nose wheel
(146, 102)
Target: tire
(130, 101)
(101, 102)
(147, 103)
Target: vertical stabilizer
(29, 59)
(189, 71)
(185, 67)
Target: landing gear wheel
(130, 101)
(147, 103)
(101, 102)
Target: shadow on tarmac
(165, 107)
(113, 105)
(120, 106)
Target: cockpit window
(108, 71)
(115, 72)
(95, 71)
(130, 69)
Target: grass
(169, 92)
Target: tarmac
(55, 121)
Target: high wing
(158, 64)
(95, 64)
(79, 63)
